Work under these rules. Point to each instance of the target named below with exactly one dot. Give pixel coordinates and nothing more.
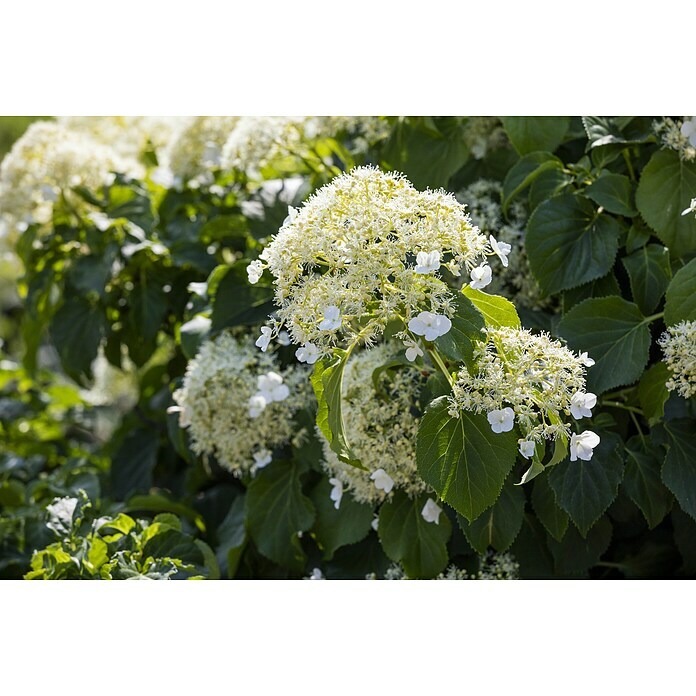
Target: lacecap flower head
(366, 249)
(678, 344)
(381, 427)
(239, 404)
(529, 380)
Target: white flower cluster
(366, 249)
(130, 136)
(679, 135)
(256, 141)
(483, 200)
(239, 404)
(678, 344)
(381, 428)
(365, 131)
(195, 148)
(47, 162)
(533, 380)
(493, 566)
(483, 134)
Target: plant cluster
(349, 347)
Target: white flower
(383, 481)
(60, 514)
(255, 271)
(481, 276)
(332, 319)
(308, 353)
(101, 221)
(502, 420)
(427, 262)
(292, 214)
(336, 492)
(431, 511)
(284, 338)
(264, 339)
(581, 403)
(412, 350)
(586, 360)
(271, 387)
(430, 325)
(691, 208)
(262, 458)
(526, 448)
(501, 249)
(257, 404)
(162, 176)
(375, 523)
(688, 130)
(581, 446)
(317, 575)
(49, 193)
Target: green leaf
(643, 483)
(525, 172)
(638, 235)
(615, 334)
(550, 514)
(336, 528)
(148, 305)
(666, 188)
(602, 287)
(575, 554)
(679, 468)
(232, 537)
(420, 546)
(649, 273)
(236, 301)
(532, 133)
(684, 535)
(171, 543)
(614, 193)
(276, 511)
(134, 462)
(467, 328)
(497, 312)
(426, 157)
(652, 392)
(568, 243)
(76, 331)
(192, 334)
(586, 489)
(499, 525)
(327, 381)
(680, 301)
(548, 184)
(462, 458)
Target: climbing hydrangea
(492, 566)
(239, 404)
(483, 199)
(366, 249)
(47, 162)
(196, 147)
(381, 427)
(678, 135)
(678, 344)
(528, 379)
(257, 141)
(130, 136)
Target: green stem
(619, 394)
(616, 404)
(631, 172)
(638, 428)
(435, 356)
(653, 317)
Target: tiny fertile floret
(678, 344)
